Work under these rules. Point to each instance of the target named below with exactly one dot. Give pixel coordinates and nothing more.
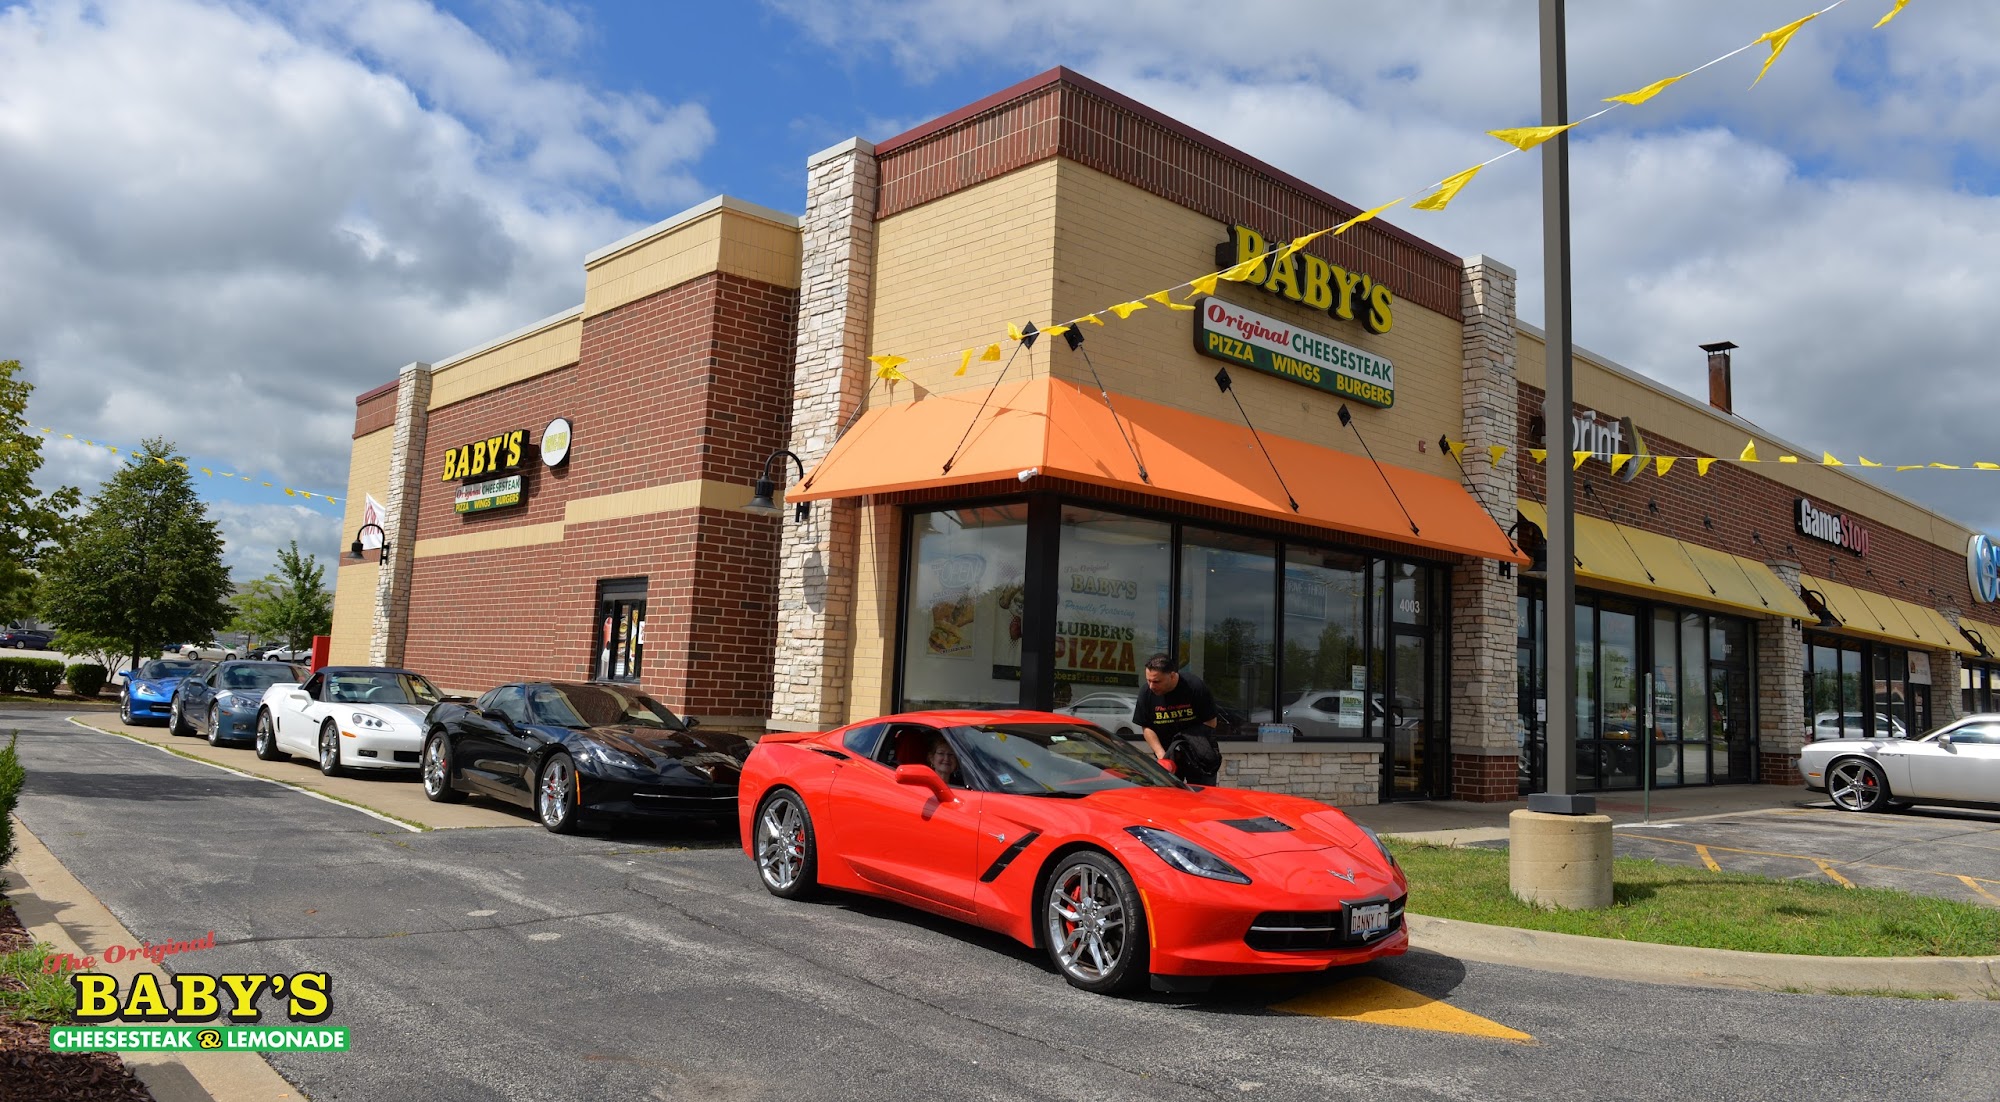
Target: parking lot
(1946, 852)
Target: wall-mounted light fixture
(1816, 604)
(356, 549)
(761, 501)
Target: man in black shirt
(1177, 707)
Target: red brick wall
(1061, 113)
(1738, 510)
(375, 410)
(691, 383)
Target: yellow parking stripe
(1379, 1002)
(1702, 852)
(1974, 885)
(1828, 869)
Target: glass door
(1407, 717)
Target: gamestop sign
(1837, 529)
(1982, 564)
(1279, 348)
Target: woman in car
(942, 760)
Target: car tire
(125, 708)
(329, 749)
(1857, 784)
(437, 771)
(1093, 924)
(176, 725)
(556, 794)
(786, 847)
(267, 738)
(215, 725)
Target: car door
(295, 730)
(196, 692)
(1966, 768)
(488, 755)
(902, 838)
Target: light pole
(356, 548)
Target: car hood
(1848, 745)
(1234, 823)
(702, 751)
(156, 686)
(402, 715)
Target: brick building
(1026, 529)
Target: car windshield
(1055, 759)
(165, 667)
(259, 675)
(379, 687)
(582, 706)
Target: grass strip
(1678, 905)
(27, 992)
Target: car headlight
(1186, 856)
(368, 723)
(610, 755)
(150, 692)
(236, 701)
(1380, 845)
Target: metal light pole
(1559, 785)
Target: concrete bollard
(1560, 860)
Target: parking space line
(1702, 852)
(1974, 885)
(1379, 1002)
(1828, 869)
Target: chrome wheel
(782, 844)
(1857, 785)
(125, 708)
(214, 725)
(553, 800)
(434, 767)
(1087, 927)
(329, 750)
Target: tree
(31, 522)
(144, 564)
(292, 605)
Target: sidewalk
(1457, 822)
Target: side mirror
(1944, 740)
(690, 723)
(923, 776)
(1168, 765)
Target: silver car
(1111, 711)
(1958, 763)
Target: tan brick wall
(353, 612)
(1341, 776)
(717, 238)
(876, 601)
(354, 583)
(550, 347)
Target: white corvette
(347, 717)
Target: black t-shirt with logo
(1183, 709)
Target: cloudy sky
(224, 220)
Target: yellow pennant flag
(992, 353)
(885, 367)
(208, 472)
(1447, 191)
(1092, 319)
(1892, 14)
(1363, 217)
(1528, 137)
(1947, 466)
(289, 493)
(181, 463)
(1298, 243)
(307, 494)
(332, 500)
(1161, 298)
(1494, 452)
(1749, 452)
(1127, 309)
(1779, 39)
(1205, 285)
(1457, 449)
(1539, 455)
(1985, 466)
(1867, 462)
(1014, 332)
(1644, 94)
(1701, 466)
(1618, 461)
(1580, 457)
(1056, 330)
(1788, 459)
(1663, 463)
(964, 361)
(67, 436)
(1826, 459)
(1910, 467)
(1246, 270)
(267, 484)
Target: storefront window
(1114, 580)
(621, 629)
(1323, 688)
(1587, 765)
(1229, 622)
(963, 610)
(1664, 718)
(1696, 716)
(1618, 657)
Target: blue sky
(226, 219)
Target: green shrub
(12, 777)
(86, 678)
(42, 675)
(10, 674)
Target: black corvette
(568, 750)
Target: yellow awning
(1880, 616)
(1634, 558)
(1986, 632)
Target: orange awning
(1065, 431)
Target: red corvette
(1061, 836)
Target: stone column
(1946, 670)
(1484, 616)
(399, 521)
(816, 591)
(1781, 690)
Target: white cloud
(253, 535)
(223, 222)
(1835, 222)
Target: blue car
(148, 694)
(222, 703)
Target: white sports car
(347, 717)
(1958, 763)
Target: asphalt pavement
(511, 963)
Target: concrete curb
(56, 908)
(1646, 962)
(60, 705)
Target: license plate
(1369, 918)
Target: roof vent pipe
(1718, 375)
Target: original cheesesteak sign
(1232, 333)
(489, 471)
